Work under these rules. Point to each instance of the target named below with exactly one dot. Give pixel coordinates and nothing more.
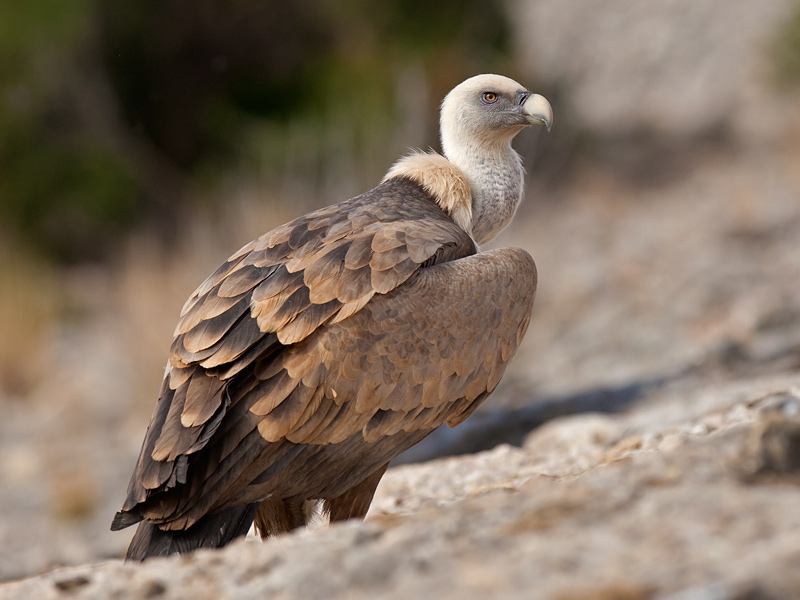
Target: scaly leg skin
(354, 503)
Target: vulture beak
(535, 109)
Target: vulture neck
(479, 186)
(495, 175)
(442, 180)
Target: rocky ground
(691, 495)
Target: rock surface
(672, 67)
(592, 506)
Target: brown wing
(324, 414)
(356, 394)
(412, 359)
(277, 291)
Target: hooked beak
(535, 109)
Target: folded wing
(322, 350)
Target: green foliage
(68, 199)
(191, 75)
(105, 104)
(61, 188)
(425, 28)
(24, 26)
(787, 50)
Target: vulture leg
(354, 503)
(276, 516)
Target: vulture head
(479, 118)
(487, 110)
(479, 180)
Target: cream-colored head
(489, 110)
(479, 182)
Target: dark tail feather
(212, 531)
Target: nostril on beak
(521, 97)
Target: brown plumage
(322, 350)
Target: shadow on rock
(486, 430)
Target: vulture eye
(489, 97)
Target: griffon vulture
(323, 349)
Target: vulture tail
(212, 531)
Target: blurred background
(142, 143)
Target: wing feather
(272, 393)
(387, 280)
(359, 253)
(198, 407)
(236, 342)
(208, 307)
(209, 331)
(354, 284)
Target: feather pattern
(323, 349)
